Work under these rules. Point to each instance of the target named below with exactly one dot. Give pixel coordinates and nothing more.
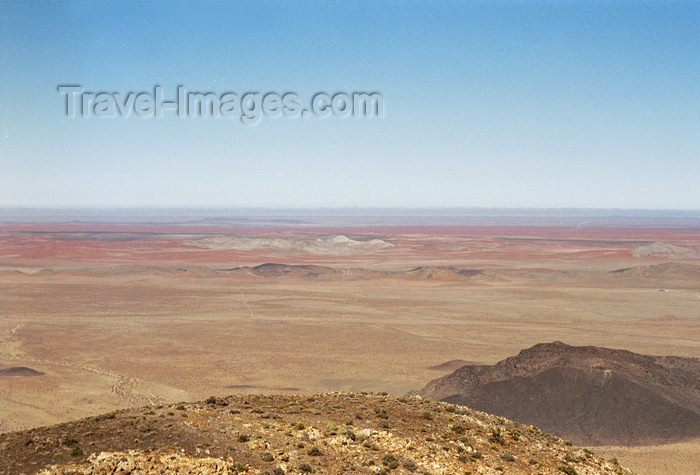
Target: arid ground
(117, 314)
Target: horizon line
(292, 208)
(347, 212)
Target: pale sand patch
(676, 459)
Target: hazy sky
(506, 104)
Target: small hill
(592, 395)
(666, 269)
(19, 371)
(309, 271)
(271, 270)
(450, 366)
(442, 273)
(336, 433)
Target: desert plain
(103, 314)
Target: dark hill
(19, 371)
(666, 269)
(275, 270)
(592, 395)
(442, 273)
(450, 366)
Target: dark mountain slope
(587, 394)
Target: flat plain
(120, 314)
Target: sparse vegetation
(567, 469)
(313, 443)
(314, 452)
(410, 465)
(390, 461)
(497, 436)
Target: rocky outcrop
(330, 433)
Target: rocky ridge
(332, 433)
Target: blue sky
(487, 104)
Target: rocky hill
(19, 371)
(592, 395)
(666, 250)
(332, 433)
(666, 270)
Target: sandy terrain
(657, 459)
(123, 315)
